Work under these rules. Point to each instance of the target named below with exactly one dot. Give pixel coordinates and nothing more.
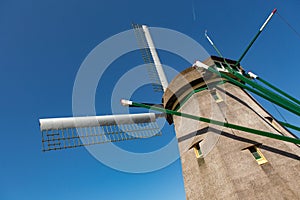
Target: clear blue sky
(42, 45)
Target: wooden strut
(219, 123)
(262, 94)
(256, 36)
(278, 90)
(292, 106)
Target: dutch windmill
(253, 152)
(71, 132)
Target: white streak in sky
(193, 10)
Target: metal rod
(256, 36)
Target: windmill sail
(150, 57)
(71, 132)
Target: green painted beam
(297, 128)
(264, 90)
(194, 92)
(220, 123)
(255, 37)
(278, 90)
(292, 107)
(271, 99)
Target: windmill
(71, 132)
(253, 149)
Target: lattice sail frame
(71, 132)
(147, 57)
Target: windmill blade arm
(92, 121)
(150, 57)
(158, 66)
(71, 132)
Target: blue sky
(42, 45)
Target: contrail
(193, 10)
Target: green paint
(275, 97)
(220, 123)
(297, 128)
(247, 49)
(278, 90)
(192, 93)
(271, 99)
(255, 153)
(264, 90)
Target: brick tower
(221, 163)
